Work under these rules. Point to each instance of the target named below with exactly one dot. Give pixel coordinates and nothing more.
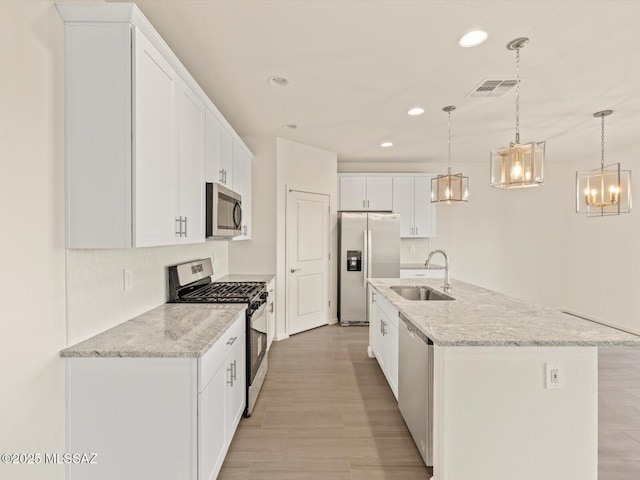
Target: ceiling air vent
(492, 88)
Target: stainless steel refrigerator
(369, 246)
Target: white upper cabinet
(191, 127)
(412, 200)
(379, 193)
(368, 193)
(155, 172)
(141, 135)
(237, 156)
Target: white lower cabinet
(156, 418)
(384, 338)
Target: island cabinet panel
(495, 418)
(384, 338)
(156, 418)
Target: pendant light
(605, 190)
(449, 188)
(520, 164)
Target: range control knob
(264, 295)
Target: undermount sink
(420, 293)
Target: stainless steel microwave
(224, 212)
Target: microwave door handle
(237, 215)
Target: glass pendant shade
(605, 190)
(450, 188)
(518, 165)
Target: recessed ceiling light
(386, 144)
(415, 111)
(278, 81)
(473, 39)
(290, 126)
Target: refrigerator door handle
(366, 255)
(369, 251)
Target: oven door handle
(260, 312)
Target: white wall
(509, 241)
(32, 284)
(96, 300)
(311, 169)
(258, 255)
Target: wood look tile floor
(326, 413)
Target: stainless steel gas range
(191, 283)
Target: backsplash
(96, 300)
(414, 250)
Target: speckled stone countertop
(481, 317)
(171, 330)
(246, 278)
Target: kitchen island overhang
(496, 413)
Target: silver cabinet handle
(224, 175)
(294, 270)
(271, 307)
(220, 176)
(373, 297)
(244, 229)
(179, 222)
(185, 225)
(384, 328)
(416, 230)
(368, 204)
(232, 340)
(364, 204)
(230, 370)
(234, 370)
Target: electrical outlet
(128, 279)
(555, 376)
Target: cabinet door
(155, 198)
(378, 325)
(212, 171)
(391, 351)
(353, 193)
(271, 312)
(237, 157)
(403, 203)
(225, 158)
(191, 114)
(246, 195)
(379, 193)
(235, 392)
(211, 425)
(424, 210)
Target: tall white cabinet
(412, 200)
(142, 137)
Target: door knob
(294, 270)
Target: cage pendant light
(520, 164)
(605, 190)
(449, 188)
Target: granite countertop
(171, 330)
(481, 317)
(246, 278)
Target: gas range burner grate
(232, 292)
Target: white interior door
(307, 261)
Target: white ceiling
(356, 67)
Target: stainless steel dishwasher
(415, 386)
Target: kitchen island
(514, 392)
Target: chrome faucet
(447, 286)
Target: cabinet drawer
(209, 363)
(387, 308)
(424, 273)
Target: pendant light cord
(602, 145)
(449, 142)
(517, 95)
